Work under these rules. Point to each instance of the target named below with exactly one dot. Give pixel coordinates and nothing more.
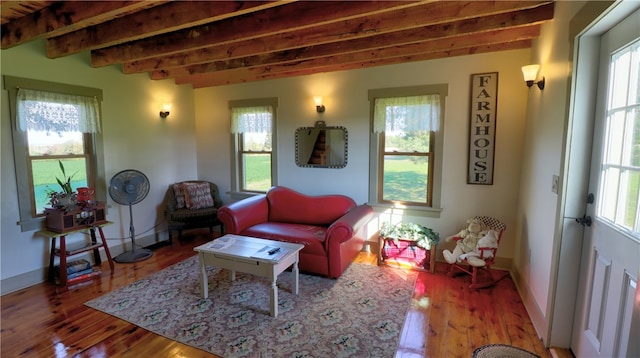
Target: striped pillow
(197, 196)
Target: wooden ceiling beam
(66, 16)
(334, 33)
(216, 79)
(289, 17)
(209, 43)
(393, 51)
(169, 17)
(12, 10)
(429, 33)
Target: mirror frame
(320, 125)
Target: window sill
(31, 224)
(239, 195)
(396, 209)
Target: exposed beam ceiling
(212, 43)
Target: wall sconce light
(166, 109)
(530, 74)
(319, 106)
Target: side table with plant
(409, 244)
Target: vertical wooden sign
(482, 127)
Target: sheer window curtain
(414, 113)
(251, 119)
(56, 112)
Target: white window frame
(236, 155)
(29, 221)
(376, 150)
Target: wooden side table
(64, 253)
(406, 253)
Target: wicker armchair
(190, 205)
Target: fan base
(133, 256)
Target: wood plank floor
(446, 318)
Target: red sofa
(331, 227)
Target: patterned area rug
(361, 314)
(502, 351)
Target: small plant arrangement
(66, 185)
(66, 198)
(421, 235)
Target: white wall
(134, 135)
(345, 96)
(538, 220)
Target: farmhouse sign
(482, 127)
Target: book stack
(76, 269)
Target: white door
(611, 251)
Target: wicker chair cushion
(192, 195)
(186, 215)
(197, 196)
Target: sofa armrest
(238, 216)
(348, 225)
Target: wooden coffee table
(260, 257)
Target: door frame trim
(585, 28)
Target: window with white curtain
(407, 145)
(54, 125)
(252, 123)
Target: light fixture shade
(318, 102)
(530, 72)
(166, 109)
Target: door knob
(584, 221)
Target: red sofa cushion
(312, 237)
(288, 206)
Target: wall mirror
(321, 146)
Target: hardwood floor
(446, 318)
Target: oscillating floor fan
(130, 187)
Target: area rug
(502, 351)
(361, 314)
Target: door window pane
(620, 172)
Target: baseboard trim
(24, 280)
(28, 279)
(535, 313)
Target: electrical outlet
(554, 183)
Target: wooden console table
(64, 252)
